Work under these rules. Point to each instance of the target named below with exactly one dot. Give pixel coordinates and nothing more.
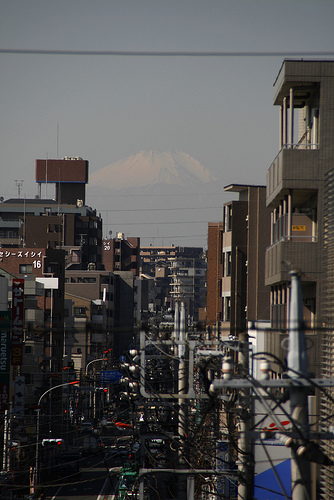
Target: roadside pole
(245, 461)
(298, 365)
(182, 403)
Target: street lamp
(94, 395)
(37, 423)
(94, 361)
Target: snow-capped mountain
(163, 198)
(149, 168)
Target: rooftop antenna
(57, 140)
(46, 176)
(19, 184)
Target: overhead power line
(134, 53)
(158, 209)
(153, 223)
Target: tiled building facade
(299, 195)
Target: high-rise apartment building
(55, 223)
(299, 195)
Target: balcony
(304, 257)
(303, 229)
(293, 168)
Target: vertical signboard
(17, 321)
(227, 485)
(5, 325)
(19, 395)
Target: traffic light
(54, 442)
(131, 370)
(14, 445)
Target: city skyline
(105, 107)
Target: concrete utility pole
(298, 365)
(182, 387)
(245, 464)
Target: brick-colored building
(214, 305)
(70, 176)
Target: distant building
(69, 175)
(188, 280)
(47, 224)
(236, 292)
(121, 254)
(179, 274)
(214, 300)
(43, 272)
(89, 314)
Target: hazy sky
(217, 109)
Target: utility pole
(245, 462)
(298, 367)
(182, 404)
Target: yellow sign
(296, 227)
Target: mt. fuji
(163, 198)
(149, 168)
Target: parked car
(86, 426)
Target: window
(223, 264)
(79, 312)
(86, 279)
(228, 218)
(25, 268)
(228, 263)
(228, 308)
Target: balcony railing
(301, 145)
(301, 229)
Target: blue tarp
(266, 486)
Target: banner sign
(19, 395)
(5, 326)
(17, 321)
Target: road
(95, 482)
